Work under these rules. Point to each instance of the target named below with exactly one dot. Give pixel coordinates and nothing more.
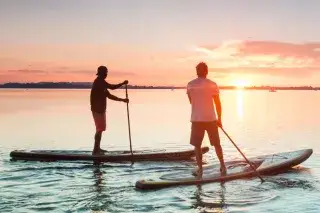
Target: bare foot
(102, 150)
(223, 170)
(198, 173)
(98, 152)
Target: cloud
(26, 71)
(52, 74)
(65, 70)
(282, 49)
(260, 57)
(220, 74)
(286, 72)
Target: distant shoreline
(87, 85)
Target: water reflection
(100, 200)
(111, 189)
(211, 202)
(98, 177)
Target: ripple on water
(282, 182)
(231, 196)
(73, 187)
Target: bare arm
(115, 86)
(113, 97)
(217, 102)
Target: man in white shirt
(201, 91)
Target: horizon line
(169, 86)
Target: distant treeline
(86, 85)
(282, 88)
(70, 85)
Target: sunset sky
(150, 42)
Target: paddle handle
(129, 121)
(243, 155)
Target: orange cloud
(282, 49)
(260, 57)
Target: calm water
(260, 122)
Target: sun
(241, 83)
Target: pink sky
(161, 42)
(255, 62)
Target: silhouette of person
(99, 94)
(200, 92)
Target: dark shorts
(198, 130)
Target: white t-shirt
(201, 92)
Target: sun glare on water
(241, 83)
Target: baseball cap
(102, 70)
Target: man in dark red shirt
(98, 102)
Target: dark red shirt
(98, 100)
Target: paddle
(129, 123)
(262, 180)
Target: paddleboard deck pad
(111, 156)
(265, 165)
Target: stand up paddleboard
(112, 156)
(265, 164)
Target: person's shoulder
(194, 81)
(214, 86)
(213, 83)
(190, 83)
(98, 82)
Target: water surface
(260, 122)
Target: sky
(151, 42)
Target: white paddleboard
(265, 164)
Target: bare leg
(213, 134)
(198, 152)
(219, 153)
(97, 140)
(197, 134)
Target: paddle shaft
(129, 121)
(243, 155)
